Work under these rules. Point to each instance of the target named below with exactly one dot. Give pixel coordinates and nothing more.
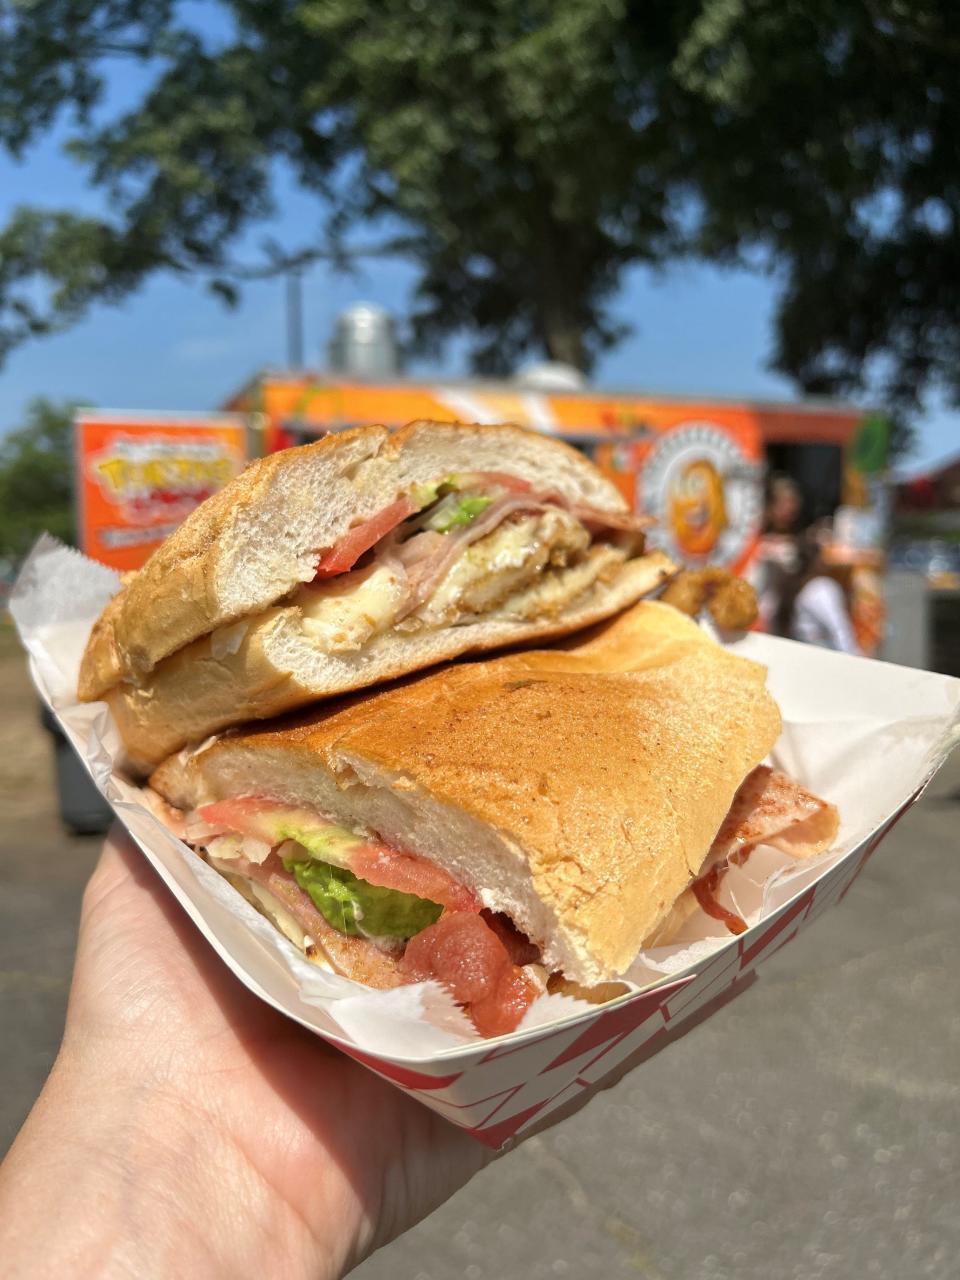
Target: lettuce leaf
(456, 511)
(355, 906)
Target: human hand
(189, 1129)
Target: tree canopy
(521, 154)
(36, 479)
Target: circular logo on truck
(704, 492)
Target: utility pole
(295, 318)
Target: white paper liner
(862, 734)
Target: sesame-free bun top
(578, 790)
(256, 540)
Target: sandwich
(502, 826)
(357, 559)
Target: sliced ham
(429, 563)
(770, 808)
(592, 517)
(621, 521)
(488, 479)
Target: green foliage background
(523, 154)
(36, 478)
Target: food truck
(138, 475)
(697, 465)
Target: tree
(522, 153)
(36, 478)
(836, 161)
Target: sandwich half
(354, 560)
(501, 824)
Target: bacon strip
(704, 889)
(769, 808)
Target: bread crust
(607, 769)
(186, 588)
(194, 692)
(173, 598)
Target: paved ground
(807, 1131)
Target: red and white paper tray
(866, 735)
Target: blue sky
(697, 330)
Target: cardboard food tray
(866, 735)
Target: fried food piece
(731, 601)
(734, 605)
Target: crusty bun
(213, 632)
(259, 538)
(577, 790)
(269, 666)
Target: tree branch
(304, 258)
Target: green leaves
(356, 907)
(522, 155)
(36, 479)
(494, 144)
(835, 150)
(457, 510)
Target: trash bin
(83, 809)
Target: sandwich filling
(473, 546)
(386, 917)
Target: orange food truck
(697, 465)
(138, 475)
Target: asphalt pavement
(807, 1131)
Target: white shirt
(820, 617)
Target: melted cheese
(352, 608)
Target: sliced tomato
(379, 864)
(342, 557)
(463, 953)
(503, 1009)
(246, 815)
